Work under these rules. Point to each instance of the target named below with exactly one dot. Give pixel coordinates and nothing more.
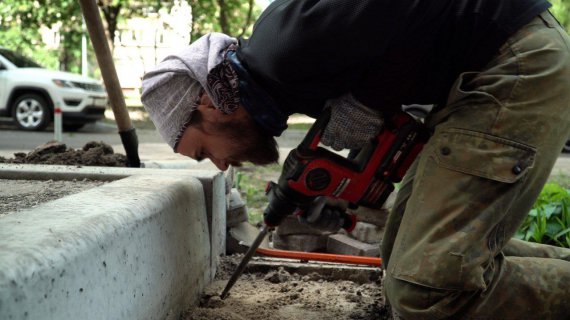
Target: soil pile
(281, 295)
(92, 154)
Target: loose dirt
(92, 154)
(17, 195)
(281, 295)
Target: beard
(251, 143)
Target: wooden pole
(105, 60)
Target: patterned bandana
(223, 85)
(171, 91)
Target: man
(498, 72)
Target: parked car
(29, 93)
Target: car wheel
(566, 148)
(72, 127)
(31, 112)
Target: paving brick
(291, 225)
(376, 217)
(229, 175)
(343, 244)
(390, 201)
(244, 233)
(367, 232)
(237, 210)
(300, 242)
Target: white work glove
(326, 214)
(352, 125)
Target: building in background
(141, 43)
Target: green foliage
(561, 10)
(20, 22)
(232, 17)
(25, 42)
(251, 182)
(548, 221)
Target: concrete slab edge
(142, 264)
(213, 182)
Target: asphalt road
(151, 145)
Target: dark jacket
(387, 53)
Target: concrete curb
(136, 248)
(212, 181)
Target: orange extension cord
(326, 257)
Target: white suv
(29, 93)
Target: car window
(19, 60)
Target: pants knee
(412, 301)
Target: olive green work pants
(447, 248)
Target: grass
(251, 182)
(299, 126)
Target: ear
(207, 109)
(212, 114)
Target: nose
(221, 164)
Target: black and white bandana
(223, 85)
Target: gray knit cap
(171, 91)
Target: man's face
(226, 139)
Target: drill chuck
(282, 203)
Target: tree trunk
(223, 16)
(111, 14)
(248, 19)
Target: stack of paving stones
(237, 223)
(295, 236)
(364, 240)
(239, 232)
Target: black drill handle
(313, 136)
(281, 204)
(325, 216)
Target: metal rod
(241, 267)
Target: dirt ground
(92, 154)
(278, 294)
(17, 195)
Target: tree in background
(232, 17)
(21, 21)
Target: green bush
(548, 221)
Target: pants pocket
(483, 155)
(465, 184)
